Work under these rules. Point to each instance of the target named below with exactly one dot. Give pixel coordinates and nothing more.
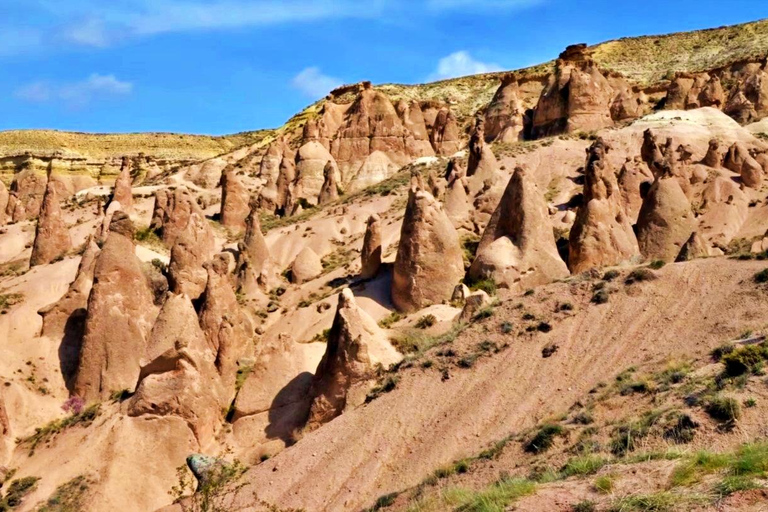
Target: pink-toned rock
(194, 246)
(178, 377)
(429, 260)
(227, 328)
(346, 362)
(173, 210)
(234, 200)
(370, 256)
(482, 163)
(26, 195)
(505, 115)
(254, 267)
(330, 189)
(695, 247)
(602, 233)
(633, 177)
(52, 240)
(445, 136)
(120, 315)
(714, 156)
(4, 198)
(64, 320)
(311, 161)
(473, 304)
(417, 136)
(5, 433)
(518, 249)
(665, 222)
(457, 203)
(306, 266)
(122, 192)
(741, 162)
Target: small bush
(565, 306)
(640, 275)
(657, 502)
(721, 351)
(387, 385)
(507, 327)
(585, 465)
(604, 484)
(16, 492)
(486, 285)
(762, 276)
(392, 319)
(744, 360)
(656, 265)
(726, 410)
(610, 275)
(600, 297)
(426, 322)
(74, 405)
(750, 402)
(384, 502)
(584, 418)
(544, 438)
(584, 506)
(733, 484)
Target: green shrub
(16, 492)
(640, 275)
(604, 484)
(584, 506)
(721, 351)
(544, 438)
(657, 502)
(584, 465)
(724, 409)
(656, 265)
(426, 322)
(600, 297)
(486, 285)
(732, 484)
(762, 276)
(744, 360)
(610, 275)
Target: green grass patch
(544, 438)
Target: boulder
(122, 192)
(473, 304)
(195, 245)
(330, 189)
(714, 156)
(741, 162)
(306, 266)
(429, 259)
(120, 315)
(52, 240)
(666, 220)
(348, 361)
(602, 232)
(226, 327)
(460, 293)
(370, 256)
(234, 200)
(178, 376)
(518, 249)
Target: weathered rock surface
(306, 266)
(234, 200)
(370, 256)
(178, 376)
(602, 233)
(429, 261)
(254, 267)
(741, 162)
(445, 135)
(665, 222)
(227, 328)
(172, 213)
(518, 249)
(122, 192)
(330, 190)
(346, 362)
(482, 163)
(120, 315)
(714, 156)
(473, 304)
(5, 196)
(26, 195)
(52, 240)
(695, 247)
(633, 179)
(194, 246)
(311, 161)
(505, 115)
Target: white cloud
(91, 32)
(75, 94)
(314, 84)
(461, 64)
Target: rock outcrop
(5, 196)
(370, 256)
(429, 260)
(26, 195)
(227, 328)
(695, 90)
(172, 213)
(122, 192)
(666, 221)
(482, 163)
(311, 162)
(634, 179)
(234, 200)
(346, 361)
(254, 267)
(178, 377)
(194, 246)
(64, 320)
(52, 240)
(473, 304)
(445, 135)
(741, 162)
(695, 247)
(714, 156)
(505, 116)
(120, 315)
(602, 233)
(518, 249)
(306, 266)
(330, 189)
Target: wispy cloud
(314, 84)
(461, 64)
(75, 94)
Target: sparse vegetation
(8, 300)
(724, 409)
(17, 491)
(47, 432)
(544, 438)
(426, 322)
(69, 497)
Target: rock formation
(473, 304)
(417, 136)
(234, 200)
(284, 186)
(311, 162)
(633, 178)
(65, 319)
(194, 246)
(120, 315)
(346, 361)
(482, 163)
(254, 266)
(26, 195)
(52, 240)
(429, 260)
(330, 189)
(741, 162)
(505, 115)
(4, 198)
(306, 266)
(370, 256)
(178, 377)
(172, 213)
(666, 221)
(517, 249)
(602, 233)
(714, 157)
(227, 328)
(694, 90)
(5, 435)
(122, 192)
(445, 136)
(692, 249)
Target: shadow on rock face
(69, 350)
(289, 410)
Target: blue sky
(224, 66)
